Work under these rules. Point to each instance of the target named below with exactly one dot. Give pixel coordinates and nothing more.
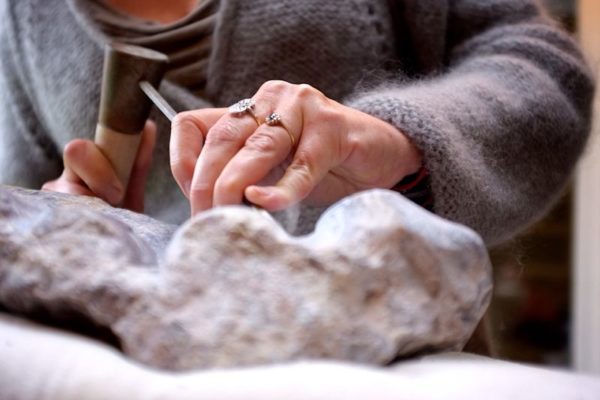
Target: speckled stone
(380, 278)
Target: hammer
(130, 77)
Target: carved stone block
(379, 278)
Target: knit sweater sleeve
(27, 157)
(502, 122)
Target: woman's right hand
(88, 172)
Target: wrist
(417, 187)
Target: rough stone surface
(379, 278)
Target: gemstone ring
(242, 107)
(274, 119)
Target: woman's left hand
(218, 157)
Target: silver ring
(274, 119)
(242, 107)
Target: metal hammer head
(123, 105)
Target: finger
(134, 196)
(222, 142)
(187, 137)
(319, 150)
(321, 128)
(310, 164)
(85, 162)
(264, 150)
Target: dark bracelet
(416, 187)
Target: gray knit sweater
(495, 96)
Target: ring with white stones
(242, 107)
(274, 119)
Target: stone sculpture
(379, 278)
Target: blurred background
(546, 305)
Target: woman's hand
(88, 172)
(218, 157)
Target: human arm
(58, 58)
(501, 112)
(502, 121)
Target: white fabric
(43, 363)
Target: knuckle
(186, 120)
(182, 167)
(183, 115)
(272, 87)
(262, 142)
(179, 119)
(74, 148)
(305, 93)
(303, 166)
(223, 134)
(305, 90)
(182, 119)
(200, 191)
(331, 117)
(226, 185)
(303, 182)
(186, 116)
